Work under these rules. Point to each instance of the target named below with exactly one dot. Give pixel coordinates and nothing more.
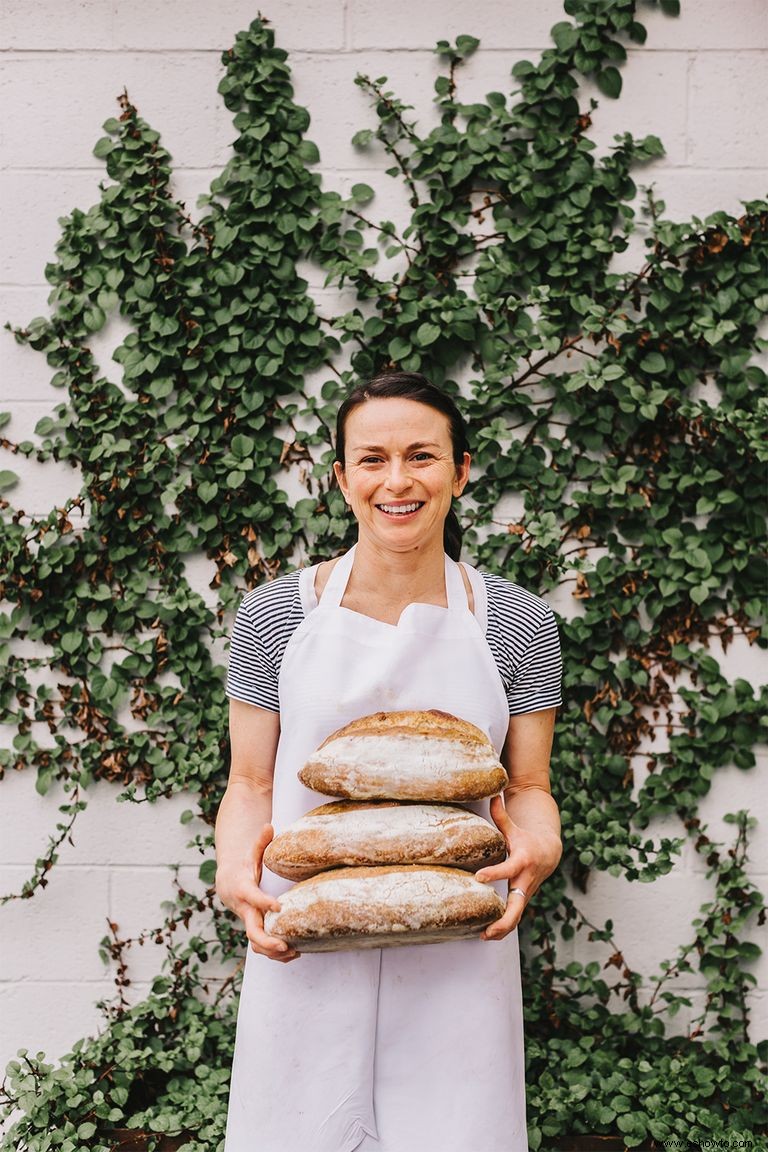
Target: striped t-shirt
(521, 632)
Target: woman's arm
(528, 816)
(242, 823)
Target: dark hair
(411, 386)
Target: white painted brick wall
(698, 83)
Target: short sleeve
(538, 676)
(251, 673)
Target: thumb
(265, 835)
(500, 815)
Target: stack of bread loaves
(392, 862)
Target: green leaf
(7, 480)
(243, 446)
(565, 35)
(44, 779)
(207, 491)
(95, 319)
(207, 872)
(362, 193)
(308, 152)
(609, 82)
(466, 45)
(426, 334)
(398, 349)
(523, 68)
(103, 147)
(653, 363)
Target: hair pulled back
(411, 386)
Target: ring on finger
(519, 891)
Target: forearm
(243, 811)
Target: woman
(416, 1048)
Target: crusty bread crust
(432, 722)
(410, 755)
(349, 833)
(383, 906)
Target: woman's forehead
(394, 419)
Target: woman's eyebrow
(378, 448)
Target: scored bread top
(431, 722)
(361, 823)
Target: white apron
(417, 1048)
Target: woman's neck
(384, 573)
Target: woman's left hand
(533, 854)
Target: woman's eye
(377, 459)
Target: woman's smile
(401, 511)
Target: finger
(251, 895)
(261, 941)
(280, 957)
(507, 923)
(255, 930)
(510, 870)
(262, 900)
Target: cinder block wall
(698, 83)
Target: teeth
(400, 509)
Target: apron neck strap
(334, 590)
(455, 591)
(333, 593)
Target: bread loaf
(353, 833)
(412, 755)
(383, 907)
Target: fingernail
(282, 947)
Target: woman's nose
(398, 475)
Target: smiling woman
(413, 1047)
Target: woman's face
(399, 456)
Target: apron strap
(479, 595)
(456, 593)
(307, 594)
(333, 593)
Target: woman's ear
(462, 475)
(338, 472)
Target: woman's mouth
(401, 511)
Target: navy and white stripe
(522, 636)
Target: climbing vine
(617, 424)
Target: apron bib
(417, 1048)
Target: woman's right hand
(240, 892)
